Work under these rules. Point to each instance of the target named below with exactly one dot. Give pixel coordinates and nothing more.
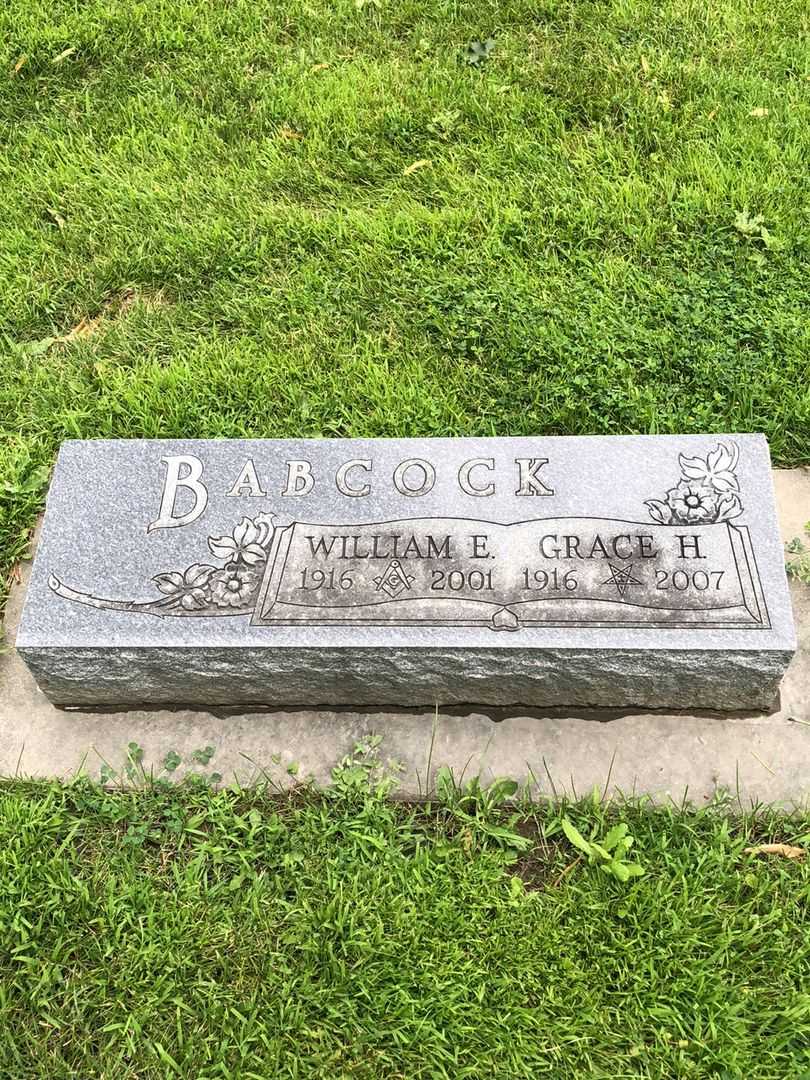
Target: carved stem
(148, 607)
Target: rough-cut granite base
(281, 677)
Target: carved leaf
(223, 547)
(169, 583)
(198, 575)
(722, 458)
(194, 600)
(245, 533)
(716, 470)
(253, 554)
(715, 458)
(694, 468)
(728, 508)
(265, 524)
(659, 511)
(725, 481)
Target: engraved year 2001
(461, 580)
(681, 580)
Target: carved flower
(233, 586)
(248, 542)
(707, 490)
(693, 502)
(717, 469)
(190, 589)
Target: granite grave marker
(599, 571)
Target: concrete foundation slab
(758, 757)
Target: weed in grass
(609, 852)
(136, 772)
(798, 566)
(481, 808)
(478, 52)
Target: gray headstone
(599, 571)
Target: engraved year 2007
(681, 580)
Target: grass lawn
(224, 219)
(241, 218)
(187, 933)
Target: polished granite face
(247, 550)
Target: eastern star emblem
(394, 581)
(622, 578)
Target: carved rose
(205, 588)
(692, 502)
(234, 586)
(706, 491)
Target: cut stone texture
(601, 571)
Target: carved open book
(585, 572)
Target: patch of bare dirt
(115, 307)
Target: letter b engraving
(191, 481)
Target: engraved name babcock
(690, 566)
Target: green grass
(210, 227)
(180, 932)
(222, 191)
(220, 196)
